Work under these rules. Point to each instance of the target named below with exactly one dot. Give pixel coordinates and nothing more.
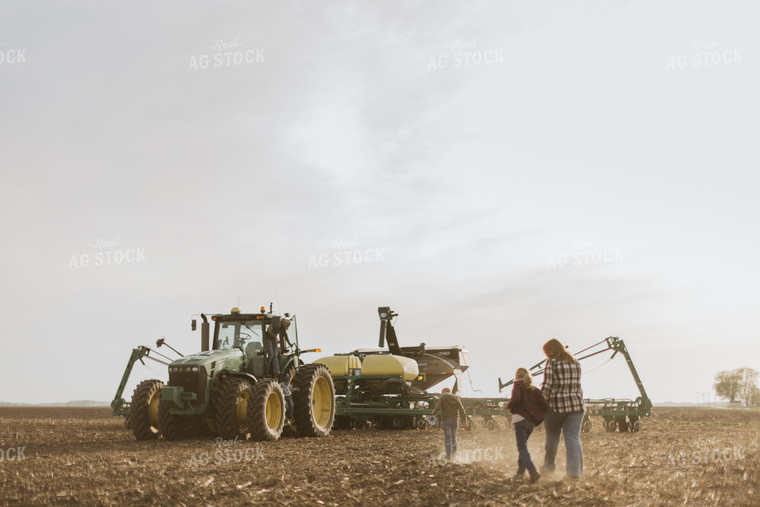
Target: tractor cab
(246, 332)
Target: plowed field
(67, 456)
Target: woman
(563, 393)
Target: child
(286, 391)
(528, 407)
(449, 406)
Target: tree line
(738, 385)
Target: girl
(527, 405)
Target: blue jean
(569, 424)
(288, 407)
(450, 435)
(272, 364)
(523, 429)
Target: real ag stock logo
(701, 54)
(465, 54)
(227, 452)
(467, 451)
(705, 453)
(226, 54)
(107, 253)
(10, 56)
(585, 253)
(12, 453)
(347, 253)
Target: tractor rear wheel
(176, 427)
(231, 408)
(266, 411)
(314, 400)
(143, 410)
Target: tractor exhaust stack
(204, 334)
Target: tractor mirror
(192, 324)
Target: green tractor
(229, 388)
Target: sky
(499, 173)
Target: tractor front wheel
(175, 427)
(314, 400)
(266, 411)
(231, 408)
(143, 411)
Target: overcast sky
(506, 172)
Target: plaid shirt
(562, 386)
(529, 403)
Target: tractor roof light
(235, 310)
(263, 309)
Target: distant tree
(740, 383)
(754, 397)
(728, 384)
(748, 384)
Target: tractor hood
(225, 359)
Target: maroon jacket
(529, 403)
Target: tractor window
(239, 333)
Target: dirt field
(84, 456)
